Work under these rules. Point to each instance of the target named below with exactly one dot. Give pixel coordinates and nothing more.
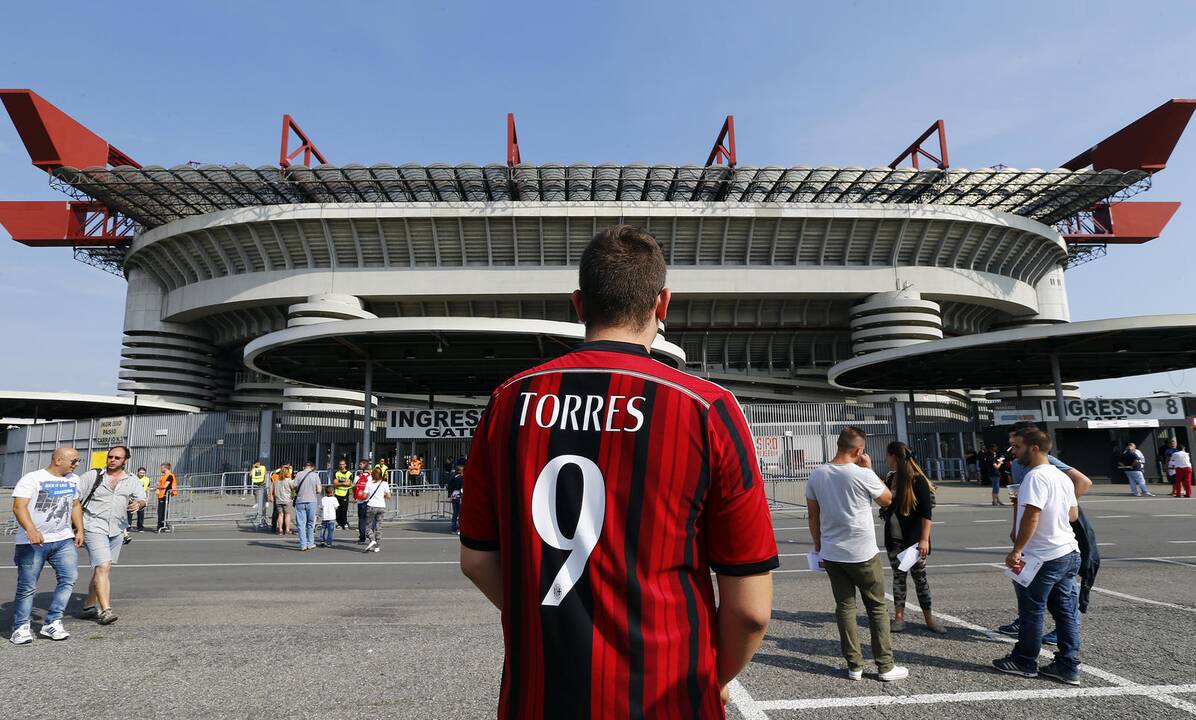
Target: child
(328, 506)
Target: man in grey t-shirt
(307, 496)
(839, 498)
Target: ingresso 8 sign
(1157, 408)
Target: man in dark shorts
(601, 490)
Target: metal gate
(794, 438)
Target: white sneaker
(54, 631)
(370, 546)
(378, 548)
(855, 674)
(22, 635)
(897, 673)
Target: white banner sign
(768, 448)
(1156, 408)
(1095, 424)
(111, 429)
(1009, 416)
(427, 423)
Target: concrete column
(367, 417)
(892, 320)
(265, 437)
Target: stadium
(456, 275)
(308, 286)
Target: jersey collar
(613, 346)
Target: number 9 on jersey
(589, 521)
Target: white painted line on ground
(804, 527)
(1178, 515)
(992, 547)
(251, 538)
(744, 703)
(992, 521)
(1155, 692)
(1176, 562)
(1110, 517)
(1135, 598)
(885, 567)
(1176, 703)
(317, 563)
(1094, 671)
(1181, 542)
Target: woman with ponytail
(907, 523)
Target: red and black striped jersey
(612, 484)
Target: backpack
(359, 487)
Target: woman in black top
(907, 523)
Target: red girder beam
(1127, 223)
(306, 146)
(724, 145)
(55, 139)
(915, 150)
(64, 224)
(513, 156)
(1144, 144)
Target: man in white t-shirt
(839, 499)
(1046, 507)
(46, 506)
(377, 492)
(1180, 465)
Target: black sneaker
(1010, 666)
(1052, 671)
(1012, 629)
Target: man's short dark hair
(1022, 425)
(850, 437)
(121, 447)
(622, 271)
(1034, 436)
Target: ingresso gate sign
(1156, 408)
(421, 424)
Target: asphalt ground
(217, 621)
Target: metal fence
(211, 452)
(794, 438)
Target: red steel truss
(513, 157)
(724, 145)
(915, 149)
(306, 146)
(1144, 144)
(1125, 223)
(55, 139)
(65, 224)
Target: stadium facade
(778, 273)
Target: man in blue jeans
(307, 495)
(1079, 481)
(1046, 507)
(46, 504)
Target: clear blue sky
(1027, 84)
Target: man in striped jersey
(601, 490)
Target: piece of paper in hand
(908, 557)
(815, 561)
(1025, 576)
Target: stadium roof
(1090, 350)
(448, 356)
(74, 406)
(155, 195)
